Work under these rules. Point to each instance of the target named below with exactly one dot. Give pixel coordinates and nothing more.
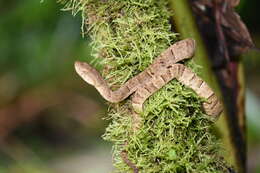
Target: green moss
(175, 134)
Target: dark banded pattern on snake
(159, 73)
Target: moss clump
(174, 135)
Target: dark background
(50, 120)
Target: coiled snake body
(160, 72)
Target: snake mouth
(84, 71)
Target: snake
(165, 68)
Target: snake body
(160, 72)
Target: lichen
(174, 135)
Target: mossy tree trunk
(174, 135)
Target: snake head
(86, 72)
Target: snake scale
(164, 68)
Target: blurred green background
(50, 120)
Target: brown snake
(160, 72)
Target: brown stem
(124, 156)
